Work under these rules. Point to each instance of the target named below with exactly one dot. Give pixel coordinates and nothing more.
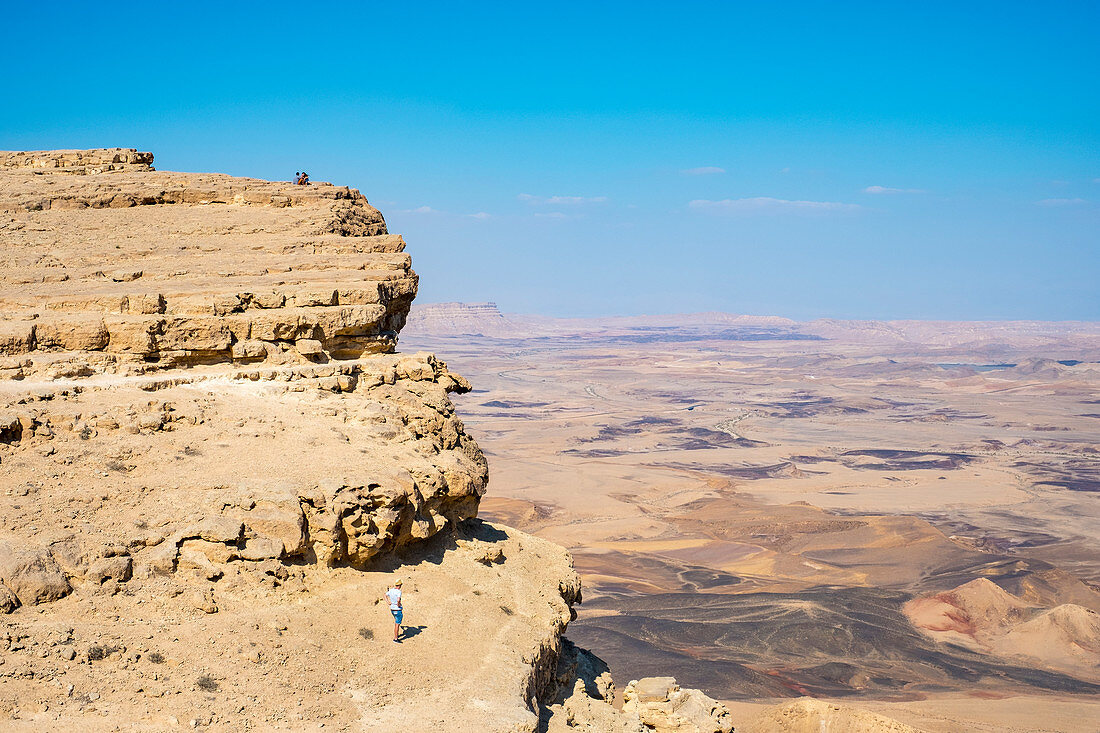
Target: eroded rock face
(199, 372)
(146, 270)
(329, 464)
(78, 162)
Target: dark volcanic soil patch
(748, 473)
(1073, 474)
(510, 404)
(669, 432)
(791, 639)
(906, 460)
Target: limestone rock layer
(197, 373)
(147, 269)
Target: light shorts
(396, 614)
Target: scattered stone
(204, 601)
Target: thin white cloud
(552, 215)
(561, 200)
(888, 190)
(706, 170)
(1061, 202)
(480, 216)
(418, 210)
(768, 205)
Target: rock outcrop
(664, 707)
(582, 699)
(143, 270)
(79, 162)
(174, 343)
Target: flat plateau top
(105, 254)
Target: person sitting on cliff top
(393, 595)
(303, 179)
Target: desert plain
(900, 516)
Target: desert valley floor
(903, 515)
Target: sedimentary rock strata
(79, 162)
(173, 347)
(142, 270)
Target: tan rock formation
(180, 337)
(213, 460)
(80, 162)
(584, 695)
(663, 707)
(147, 270)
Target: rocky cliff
(228, 313)
(214, 461)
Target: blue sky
(836, 159)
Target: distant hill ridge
(486, 319)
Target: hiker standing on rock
(393, 595)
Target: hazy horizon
(853, 160)
(421, 303)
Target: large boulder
(31, 573)
(662, 706)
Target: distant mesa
(460, 319)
